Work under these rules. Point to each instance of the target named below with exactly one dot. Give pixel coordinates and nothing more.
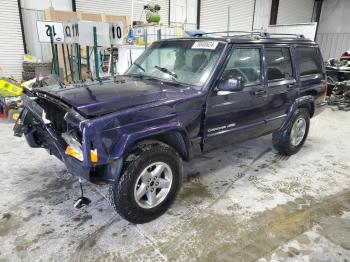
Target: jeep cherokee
(179, 99)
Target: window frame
(292, 63)
(208, 83)
(319, 74)
(260, 47)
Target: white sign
(82, 32)
(116, 33)
(306, 29)
(71, 32)
(86, 33)
(205, 45)
(43, 28)
(139, 31)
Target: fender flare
(303, 101)
(128, 140)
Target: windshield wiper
(135, 75)
(165, 70)
(139, 67)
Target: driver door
(239, 115)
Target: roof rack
(200, 34)
(250, 33)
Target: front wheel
(290, 140)
(148, 185)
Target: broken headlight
(74, 148)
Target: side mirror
(229, 85)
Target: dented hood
(94, 99)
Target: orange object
(326, 88)
(74, 153)
(94, 156)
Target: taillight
(326, 88)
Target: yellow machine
(10, 92)
(9, 87)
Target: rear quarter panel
(312, 84)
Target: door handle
(259, 92)
(291, 85)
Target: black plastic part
(82, 201)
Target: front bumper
(40, 133)
(43, 136)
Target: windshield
(188, 62)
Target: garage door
(184, 12)
(295, 11)
(11, 44)
(122, 7)
(214, 15)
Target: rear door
(281, 81)
(236, 116)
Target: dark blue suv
(181, 98)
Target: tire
(27, 75)
(123, 191)
(30, 67)
(13, 114)
(282, 139)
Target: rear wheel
(148, 185)
(290, 140)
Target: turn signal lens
(74, 153)
(93, 156)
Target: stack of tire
(29, 69)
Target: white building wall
(262, 14)
(41, 51)
(63, 5)
(308, 30)
(33, 10)
(117, 7)
(334, 31)
(183, 13)
(215, 16)
(295, 11)
(11, 44)
(222, 15)
(122, 7)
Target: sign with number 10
(116, 33)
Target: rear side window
(279, 64)
(309, 61)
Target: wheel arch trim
(169, 133)
(301, 102)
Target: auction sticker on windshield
(205, 45)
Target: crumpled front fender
(128, 140)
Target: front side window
(278, 63)
(308, 60)
(245, 65)
(187, 62)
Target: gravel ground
(241, 203)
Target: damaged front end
(47, 122)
